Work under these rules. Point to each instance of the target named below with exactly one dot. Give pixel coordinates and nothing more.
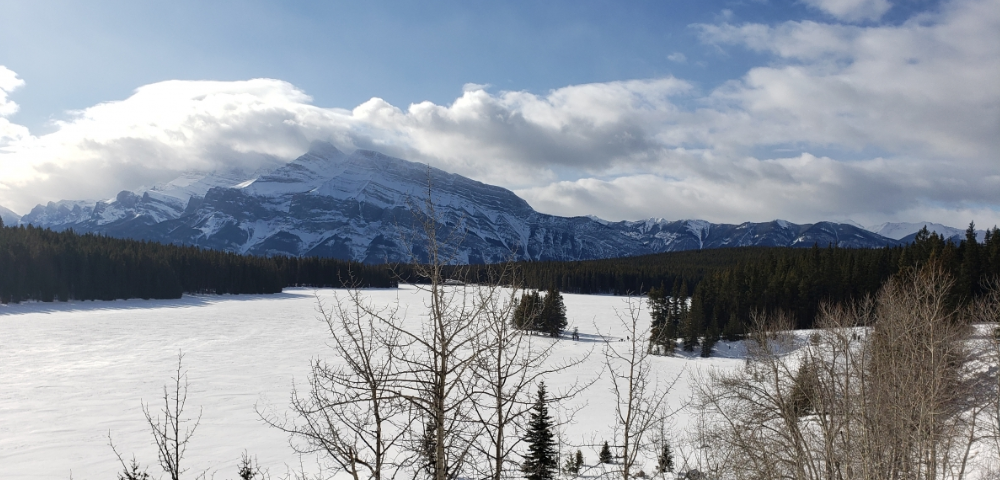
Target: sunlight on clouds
(161, 130)
(8, 83)
(512, 138)
(9, 131)
(922, 94)
(923, 87)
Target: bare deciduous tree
(884, 390)
(640, 407)
(436, 360)
(350, 412)
(445, 394)
(510, 362)
(172, 431)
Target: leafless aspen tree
(444, 395)
(172, 432)
(986, 314)
(350, 412)
(883, 391)
(511, 362)
(641, 398)
(435, 362)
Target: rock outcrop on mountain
(361, 207)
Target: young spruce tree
(665, 460)
(605, 455)
(541, 461)
(527, 313)
(553, 316)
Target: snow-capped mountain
(905, 232)
(9, 217)
(360, 206)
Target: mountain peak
(358, 206)
(9, 217)
(323, 149)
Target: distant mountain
(9, 217)
(905, 232)
(359, 206)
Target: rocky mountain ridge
(361, 207)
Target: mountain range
(360, 206)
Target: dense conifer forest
(39, 264)
(726, 285)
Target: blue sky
(344, 53)
(873, 110)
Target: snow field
(70, 373)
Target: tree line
(43, 265)
(799, 283)
(891, 386)
(721, 289)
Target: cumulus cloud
(852, 10)
(9, 131)
(8, 83)
(803, 189)
(873, 123)
(512, 138)
(161, 130)
(918, 88)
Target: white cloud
(9, 131)
(852, 10)
(677, 57)
(922, 96)
(925, 87)
(162, 129)
(8, 83)
(801, 189)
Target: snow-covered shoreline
(71, 372)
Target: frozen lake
(70, 373)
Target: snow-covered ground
(70, 373)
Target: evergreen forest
(723, 287)
(720, 288)
(43, 265)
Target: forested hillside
(726, 285)
(39, 264)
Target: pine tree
(526, 315)
(804, 389)
(661, 333)
(605, 455)
(132, 472)
(540, 463)
(578, 460)
(733, 330)
(692, 321)
(248, 468)
(665, 460)
(971, 266)
(572, 467)
(553, 317)
(711, 337)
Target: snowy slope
(360, 206)
(906, 231)
(9, 217)
(72, 372)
